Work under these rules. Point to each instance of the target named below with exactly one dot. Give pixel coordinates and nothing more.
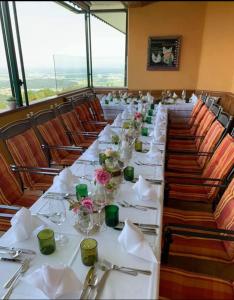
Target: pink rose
(102, 177)
(87, 202)
(138, 115)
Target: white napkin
(124, 114)
(133, 241)
(109, 96)
(150, 98)
(24, 225)
(107, 133)
(118, 121)
(154, 153)
(193, 98)
(174, 96)
(56, 282)
(144, 189)
(94, 148)
(64, 182)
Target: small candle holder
(150, 112)
(129, 173)
(81, 191)
(144, 131)
(102, 158)
(148, 120)
(152, 106)
(111, 215)
(115, 139)
(106, 101)
(46, 241)
(89, 251)
(138, 146)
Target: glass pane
(5, 87)
(108, 54)
(49, 31)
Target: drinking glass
(46, 241)
(85, 219)
(57, 215)
(100, 202)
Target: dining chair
(97, 109)
(25, 150)
(192, 143)
(73, 126)
(205, 186)
(54, 138)
(178, 284)
(194, 161)
(201, 235)
(12, 194)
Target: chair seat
(199, 248)
(178, 145)
(178, 216)
(178, 284)
(188, 193)
(183, 163)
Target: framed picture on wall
(163, 53)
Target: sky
(48, 29)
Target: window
(5, 87)
(108, 53)
(53, 46)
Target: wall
(161, 19)
(216, 71)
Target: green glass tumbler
(115, 139)
(81, 191)
(150, 112)
(46, 241)
(111, 215)
(152, 106)
(89, 251)
(138, 146)
(129, 173)
(144, 131)
(106, 101)
(148, 119)
(102, 158)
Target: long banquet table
(118, 286)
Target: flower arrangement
(102, 176)
(75, 205)
(138, 116)
(110, 153)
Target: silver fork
(133, 206)
(11, 284)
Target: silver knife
(11, 259)
(101, 284)
(26, 251)
(87, 281)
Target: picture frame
(164, 53)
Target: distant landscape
(43, 83)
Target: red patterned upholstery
(223, 218)
(205, 125)
(187, 163)
(26, 151)
(218, 167)
(54, 134)
(11, 193)
(73, 124)
(177, 284)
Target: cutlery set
(148, 229)
(140, 163)
(136, 206)
(92, 284)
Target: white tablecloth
(118, 286)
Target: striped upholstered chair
(194, 162)
(185, 122)
(204, 187)
(26, 152)
(202, 235)
(55, 139)
(73, 126)
(11, 194)
(177, 284)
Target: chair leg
(166, 246)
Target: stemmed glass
(57, 215)
(85, 219)
(100, 202)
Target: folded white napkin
(24, 225)
(94, 148)
(109, 96)
(133, 241)
(118, 121)
(174, 96)
(55, 282)
(155, 153)
(64, 182)
(193, 98)
(150, 98)
(124, 114)
(144, 189)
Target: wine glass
(57, 215)
(100, 202)
(85, 219)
